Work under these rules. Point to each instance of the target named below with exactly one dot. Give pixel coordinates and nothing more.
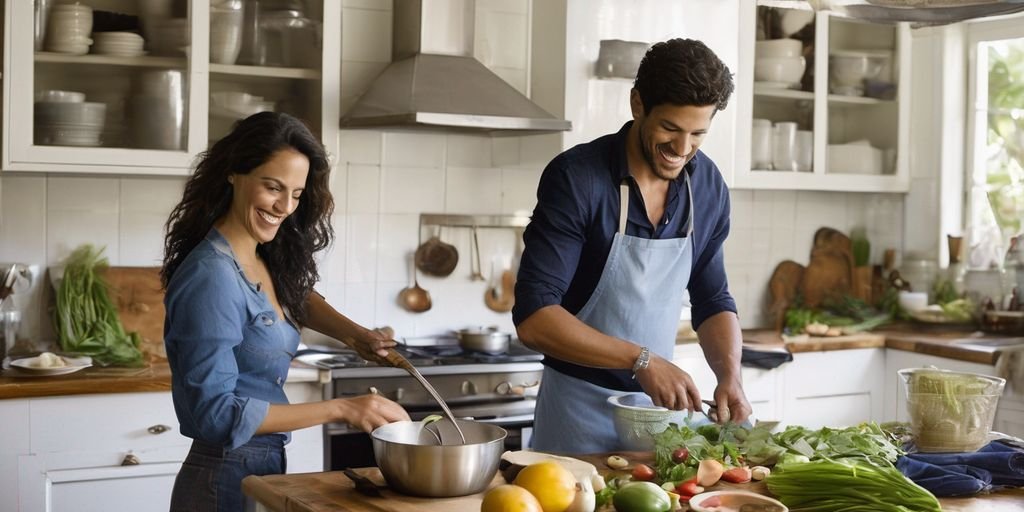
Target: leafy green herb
(86, 319)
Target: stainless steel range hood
(434, 82)
(919, 12)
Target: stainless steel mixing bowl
(413, 463)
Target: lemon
(552, 485)
(509, 498)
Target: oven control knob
(399, 393)
(503, 387)
(468, 388)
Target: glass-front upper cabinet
(830, 101)
(142, 86)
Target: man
(623, 225)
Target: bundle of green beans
(87, 321)
(848, 485)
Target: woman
(239, 272)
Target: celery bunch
(848, 485)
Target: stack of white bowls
(68, 29)
(168, 36)
(225, 32)
(118, 44)
(237, 104)
(779, 63)
(158, 110)
(64, 118)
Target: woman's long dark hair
(207, 197)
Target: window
(995, 149)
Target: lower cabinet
(110, 452)
(833, 389)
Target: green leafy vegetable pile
(825, 469)
(86, 319)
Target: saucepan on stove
(430, 460)
(488, 340)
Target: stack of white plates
(118, 44)
(69, 123)
(68, 29)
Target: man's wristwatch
(642, 360)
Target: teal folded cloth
(995, 466)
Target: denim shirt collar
(221, 245)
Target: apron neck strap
(624, 204)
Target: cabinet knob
(158, 429)
(131, 460)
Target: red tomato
(643, 472)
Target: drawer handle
(158, 429)
(131, 460)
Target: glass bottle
(955, 272)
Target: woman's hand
(368, 412)
(373, 345)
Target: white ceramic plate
(775, 85)
(28, 366)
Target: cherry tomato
(643, 472)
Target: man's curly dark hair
(289, 256)
(683, 72)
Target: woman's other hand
(368, 412)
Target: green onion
(86, 319)
(848, 485)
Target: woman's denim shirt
(229, 352)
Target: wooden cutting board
(829, 273)
(139, 297)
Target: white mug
(761, 145)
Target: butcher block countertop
(154, 377)
(331, 491)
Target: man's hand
(731, 403)
(669, 386)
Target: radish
(740, 475)
(709, 472)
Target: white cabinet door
(830, 115)
(14, 442)
(835, 389)
(47, 484)
(305, 452)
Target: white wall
(384, 179)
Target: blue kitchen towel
(994, 466)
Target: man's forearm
(557, 333)
(722, 341)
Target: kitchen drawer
(838, 372)
(120, 423)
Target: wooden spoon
(413, 298)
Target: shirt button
(268, 321)
(279, 381)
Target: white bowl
(779, 48)
(849, 69)
(779, 69)
(637, 420)
(55, 96)
(854, 159)
(731, 499)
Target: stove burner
(438, 355)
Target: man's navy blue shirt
(577, 216)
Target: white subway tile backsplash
(155, 195)
(519, 190)
(504, 151)
(361, 248)
(741, 205)
(469, 150)
(458, 305)
(412, 190)
(501, 39)
(68, 229)
(414, 149)
(359, 147)
(473, 190)
(388, 312)
(23, 219)
(365, 35)
(97, 195)
(397, 238)
(361, 304)
(141, 239)
(363, 189)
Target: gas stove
(437, 356)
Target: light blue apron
(638, 299)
